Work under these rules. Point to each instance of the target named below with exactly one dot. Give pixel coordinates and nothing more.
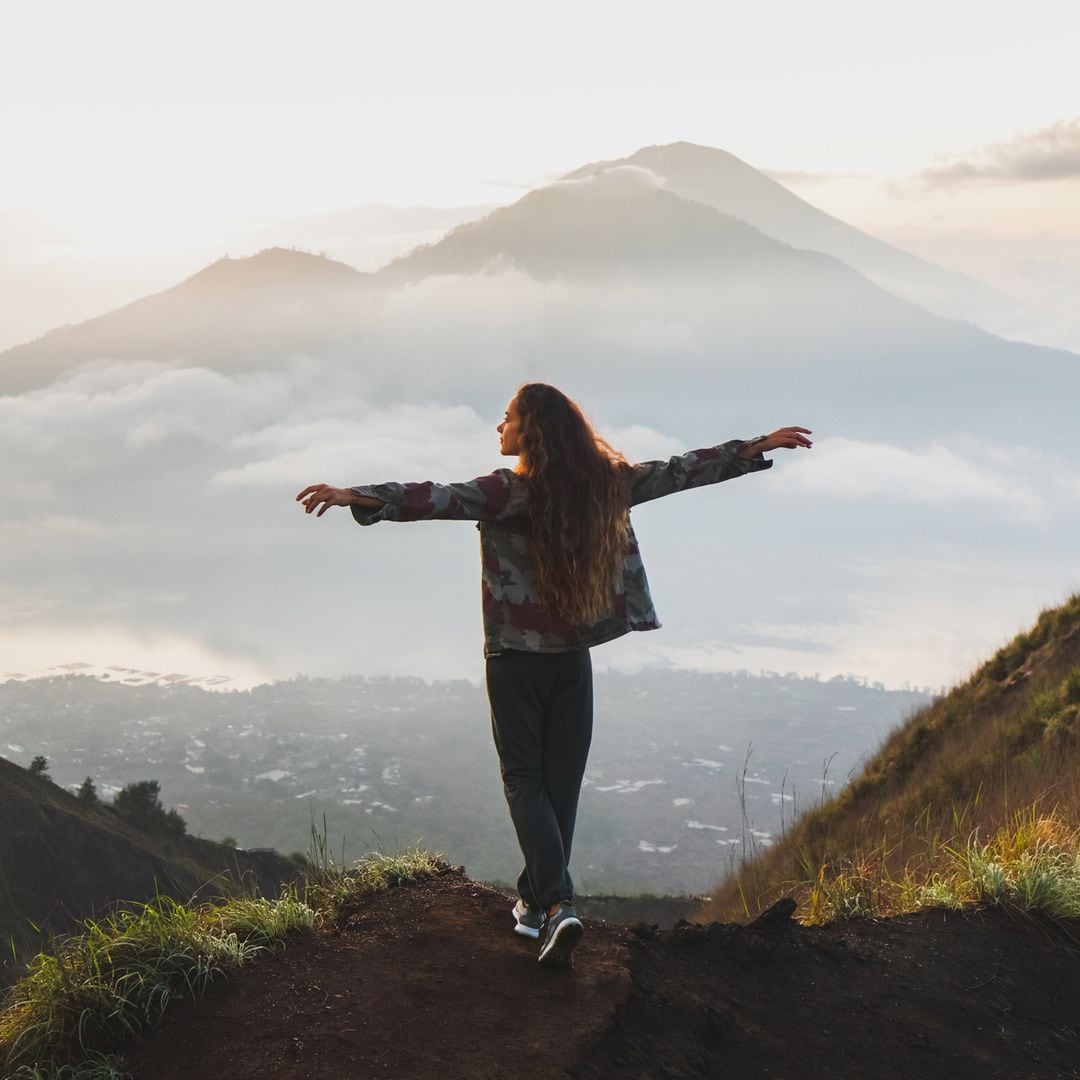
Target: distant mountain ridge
(721, 304)
(617, 221)
(620, 223)
(714, 215)
(717, 178)
(238, 313)
(231, 314)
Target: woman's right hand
(323, 496)
(787, 438)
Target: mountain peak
(613, 220)
(274, 265)
(717, 178)
(675, 156)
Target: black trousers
(541, 719)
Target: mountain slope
(61, 862)
(620, 226)
(621, 220)
(231, 314)
(765, 319)
(717, 178)
(1007, 739)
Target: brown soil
(431, 981)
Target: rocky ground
(430, 981)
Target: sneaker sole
(526, 931)
(559, 951)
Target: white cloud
(425, 441)
(620, 181)
(1049, 153)
(1015, 479)
(150, 402)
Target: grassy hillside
(62, 861)
(999, 754)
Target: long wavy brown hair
(577, 507)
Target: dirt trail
(430, 981)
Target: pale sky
(139, 143)
(136, 114)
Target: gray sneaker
(528, 921)
(564, 931)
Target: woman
(561, 573)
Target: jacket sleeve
(696, 468)
(487, 498)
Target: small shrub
(1044, 705)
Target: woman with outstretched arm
(561, 572)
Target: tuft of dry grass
(1030, 864)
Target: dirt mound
(431, 981)
(427, 980)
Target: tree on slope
(140, 805)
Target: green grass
(75, 1005)
(72, 1013)
(334, 890)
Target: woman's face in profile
(510, 432)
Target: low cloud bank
(151, 514)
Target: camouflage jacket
(513, 618)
